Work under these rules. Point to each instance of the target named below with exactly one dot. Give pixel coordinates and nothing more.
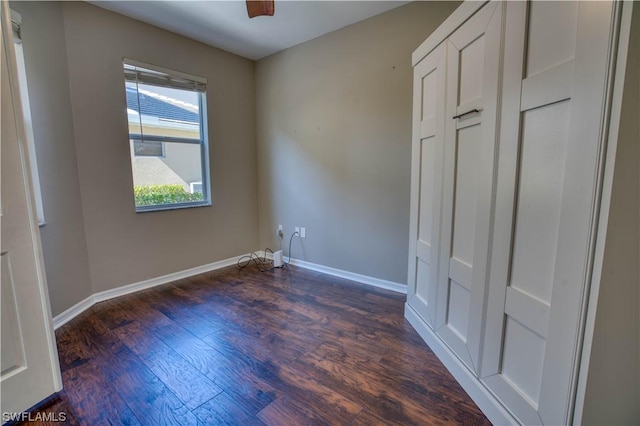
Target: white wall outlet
(303, 232)
(297, 229)
(280, 231)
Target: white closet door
(550, 135)
(472, 88)
(426, 181)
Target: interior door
(473, 61)
(550, 146)
(426, 180)
(30, 371)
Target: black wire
(263, 263)
(244, 261)
(286, 264)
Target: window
(148, 148)
(16, 25)
(167, 137)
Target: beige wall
(63, 238)
(613, 380)
(334, 141)
(125, 247)
(351, 95)
(94, 240)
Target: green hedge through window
(164, 194)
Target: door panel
(549, 153)
(551, 36)
(472, 84)
(543, 148)
(471, 77)
(522, 359)
(426, 181)
(30, 371)
(466, 180)
(12, 344)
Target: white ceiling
(225, 24)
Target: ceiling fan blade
(260, 8)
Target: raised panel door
(473, 61)
(555, 65)
(426, 178)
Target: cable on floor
(263, 263)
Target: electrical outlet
(297, 229)
(280, 231)
(303, 232)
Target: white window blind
(137, 72)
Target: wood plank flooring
(242, 347)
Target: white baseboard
(484, 399)
(69, 314)
(363, 279)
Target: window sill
(163, 207)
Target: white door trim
(40, 376)
(618, 67)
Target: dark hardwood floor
(287, 347)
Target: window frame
(202, 141)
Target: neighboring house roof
(153, 105)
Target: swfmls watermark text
(34, 417)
